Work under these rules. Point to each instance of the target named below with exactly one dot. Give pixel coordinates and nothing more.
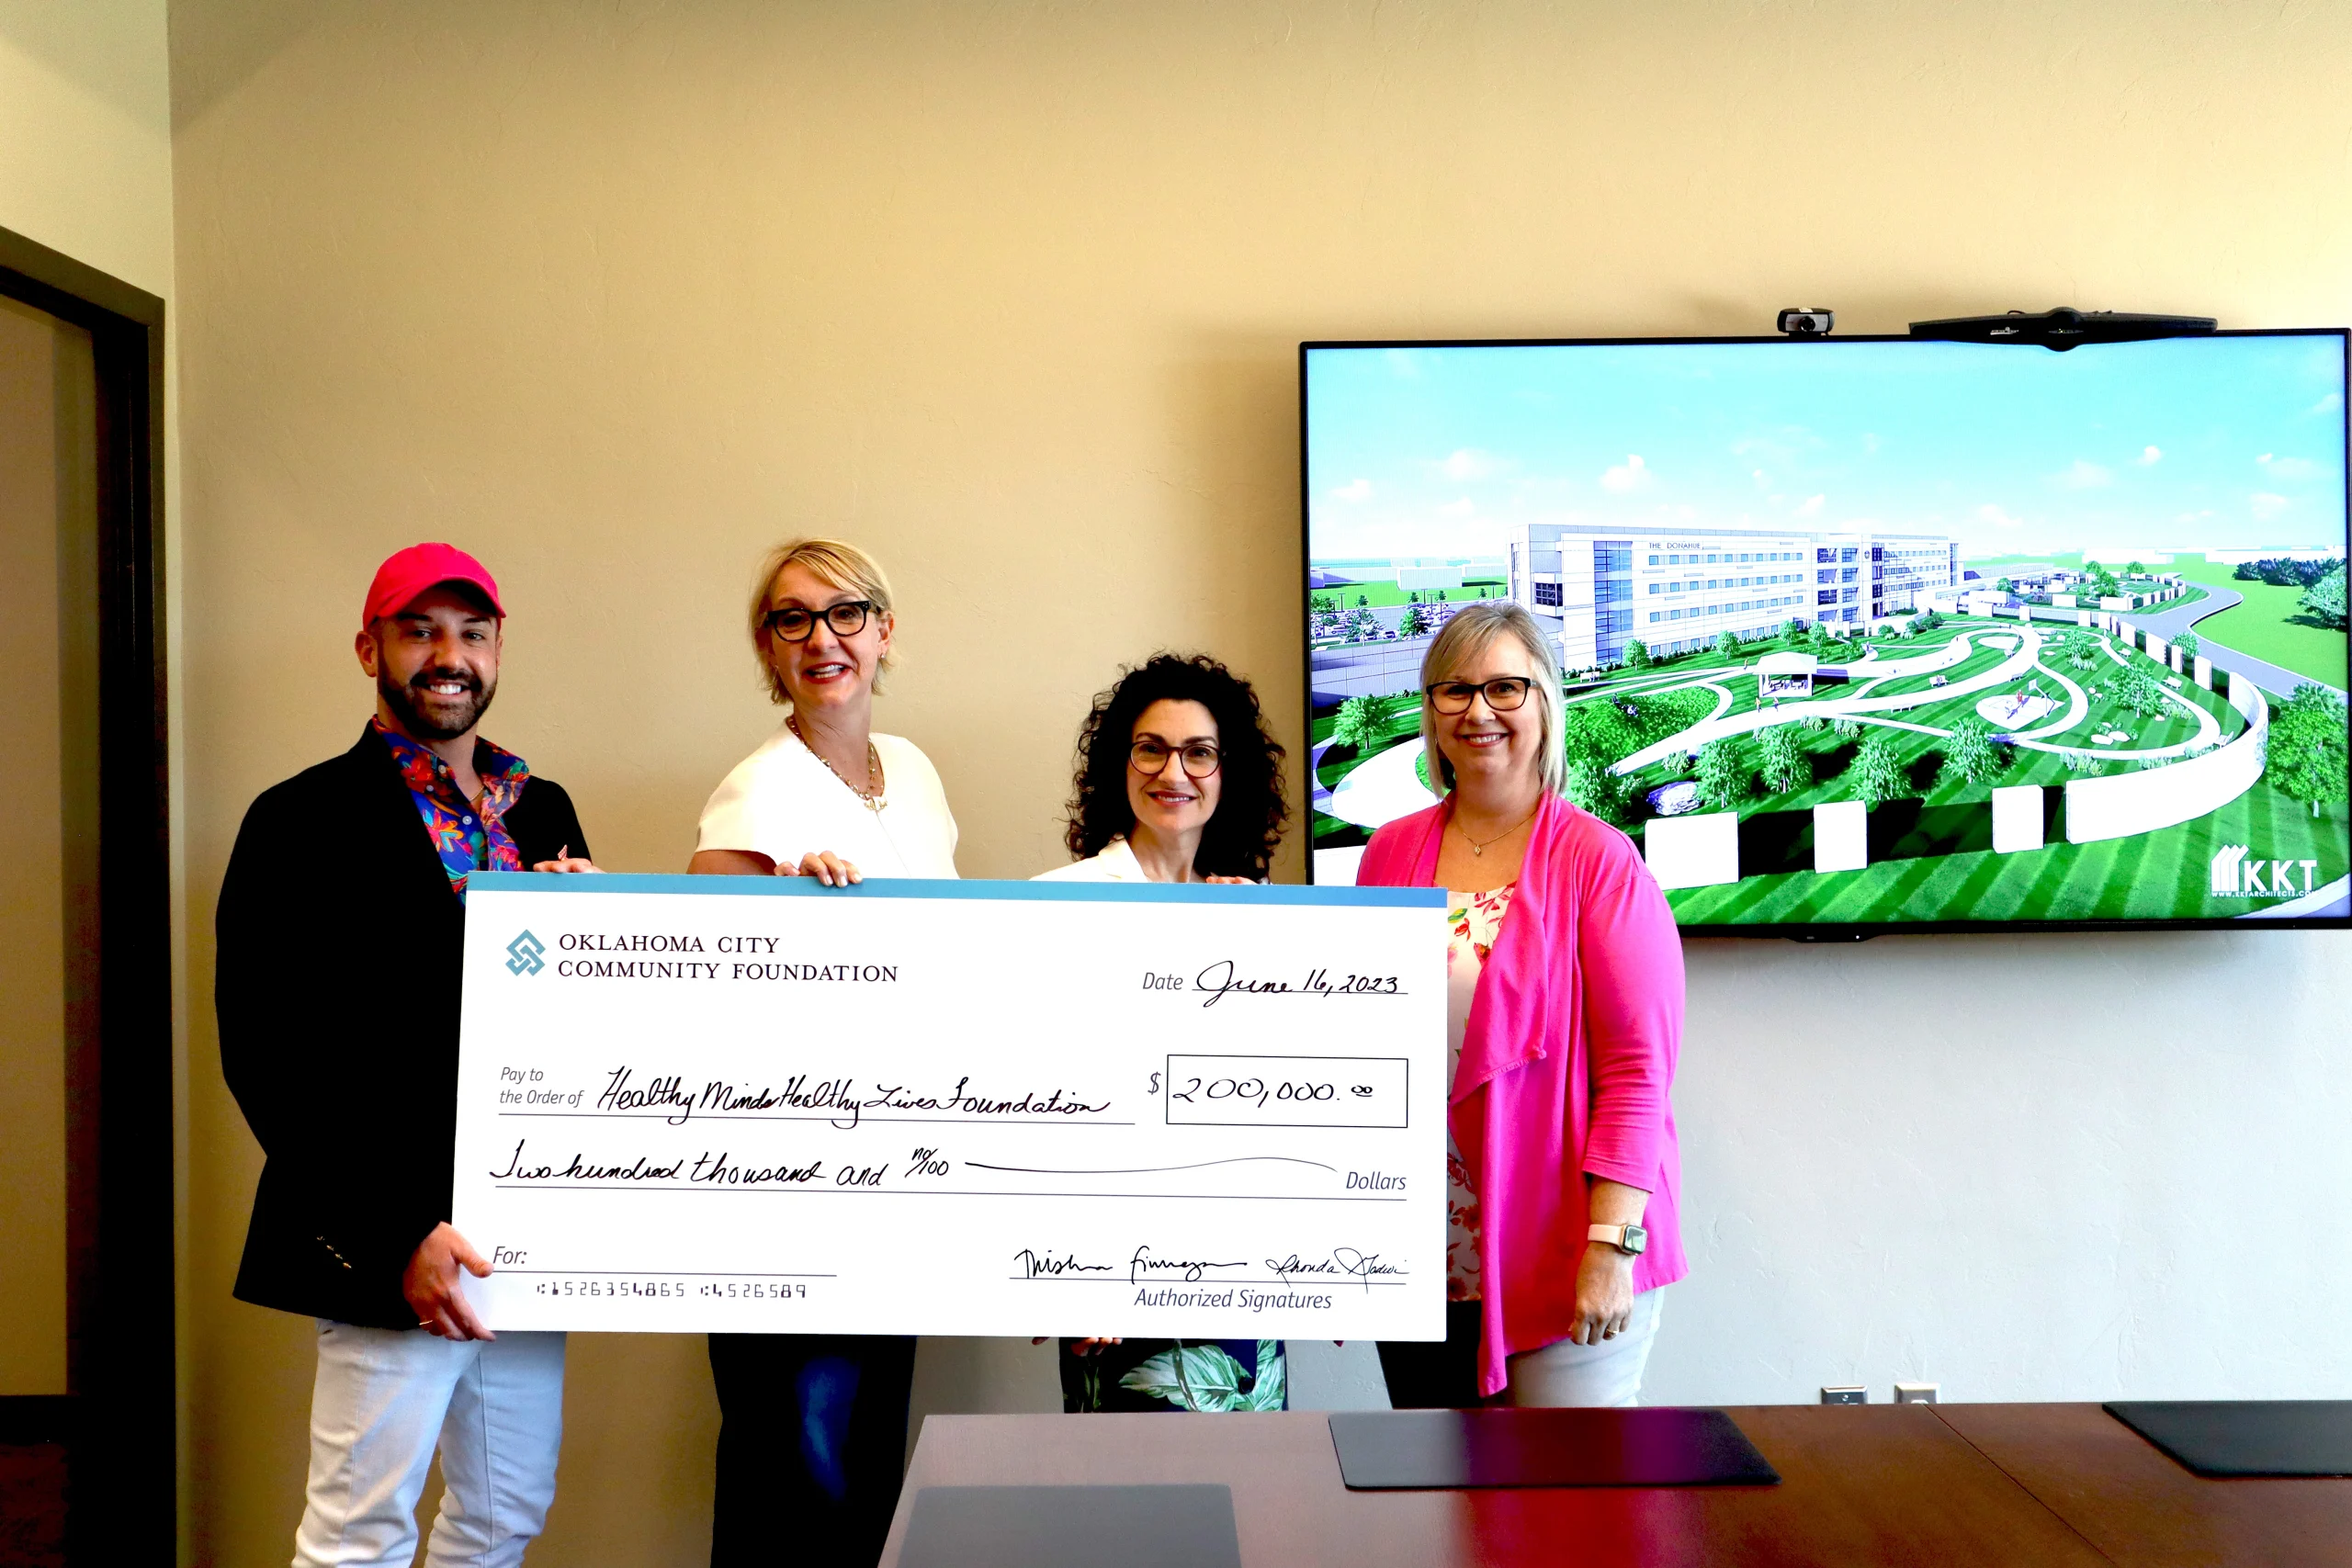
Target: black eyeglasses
(793, 623)
(1502, 694)
(1150, 757)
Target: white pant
(1609, 1373)
(384, 1400)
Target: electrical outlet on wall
(1916, 1392)
(1850, 1393)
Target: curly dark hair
(1250, 811)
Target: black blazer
(336, 984)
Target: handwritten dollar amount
(1258, 1090)
(1287, 1091)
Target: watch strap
(1621, 1237)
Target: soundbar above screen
(1865, 633)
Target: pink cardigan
(1566, 1063)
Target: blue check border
(926, 888)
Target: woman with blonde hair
(825, 795)
(1564, 1015)
(813, 1427)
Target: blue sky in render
(2183, 443)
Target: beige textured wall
(615, 293)
(85, 140)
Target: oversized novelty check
(982, 1108)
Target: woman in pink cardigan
(1565, 1011)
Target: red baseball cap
(409, 572)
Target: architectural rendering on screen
(1869, 632)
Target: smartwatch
(1627, 1239)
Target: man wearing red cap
(341, 925)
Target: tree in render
(1360, 722)
(1876, 774)
(2136, 689)
(1591, 786)
(1637, 654)
(1970, 755)
(1723, 775)
(1787, 766)
(2307, 753)
(2323, 600)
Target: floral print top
(1472, 919)
(1159, 1375)
(466, 835)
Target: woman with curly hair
(1178, 780)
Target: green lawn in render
(2265, 627)
(1380, 595)
(1953, 874)
(2160, 876)
(1980, 658)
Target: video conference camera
(2063, 328)
(1807, 321)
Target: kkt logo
(2235, 876)
(523, 955)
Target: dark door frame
(120, 1417)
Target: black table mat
(2246, 1437)
(1425, 1449)
(1071, 1526)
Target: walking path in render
(2170, 623)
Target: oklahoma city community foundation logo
(523, 955)
(2235, 876)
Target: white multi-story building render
(1681, 590)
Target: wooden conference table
(1948, 1485)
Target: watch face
(1636, 1238)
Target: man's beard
(407, 703)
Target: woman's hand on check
(566, 861)
(826, 867)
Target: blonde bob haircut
(831, 562)
(1473, 629)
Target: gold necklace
(1479, 848)
(871, 798)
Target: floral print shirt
(1472, 919)
(468, 836)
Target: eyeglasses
(1502, 696)
(1149, 758)
(793, 623)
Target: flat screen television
(1865, 635)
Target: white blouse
(783, 802)
(1115, 864)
